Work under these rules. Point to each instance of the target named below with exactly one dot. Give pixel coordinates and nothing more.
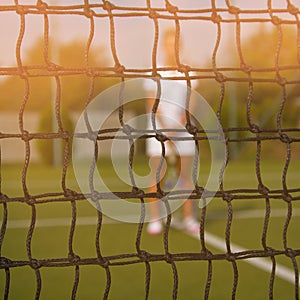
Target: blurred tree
(40, 93)
(259, 53)
(74, 88)
(260, 49)
(268, 51)
(264, 51)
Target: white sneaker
(191, 225)
(154, 227)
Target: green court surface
(50, 240)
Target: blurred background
(60, 60)
(134, 37)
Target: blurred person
(171, 114)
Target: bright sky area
(134, 36)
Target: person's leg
(155, 226)
(186, 166)
(189, 220)
(154, 207)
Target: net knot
(200, 192)
(284, 138)
(191, 129)
(30, 200)
(169, 258)
(227, 197)
(65, 134)
(153, 14)
(42, 6)
(138, 192)
(276, 20)
(127, 129)
(119, 68)
(287, 197)
(162, 195)
(92, 135)
(233, 10)
(290, 252)
(207, 254)
(216, 18)
(220, 77)
(246, 68)
(255, 128)
(52, 67)
(90, 72)
(269, 251)
(280, 80)
(23, 74)
(171, 8)
(263, 189)
(3, 198)
(89, 13)
(34, 264)
(69, 193)
(183, 68)
(293, 10)
(103, 262)
(144, 255)
(230, 257)
(21, 10)
(161, 137)
(26, 136)
(73, 258)
(156, 76)
(95, 196)
(4, 262)
(108, 6)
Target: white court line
(255, 214)
(261, 263)
(53, 222)
(211, 239)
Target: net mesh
(241, 73)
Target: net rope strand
(287, 136)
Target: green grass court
(50, 240)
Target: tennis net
(258, 89)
